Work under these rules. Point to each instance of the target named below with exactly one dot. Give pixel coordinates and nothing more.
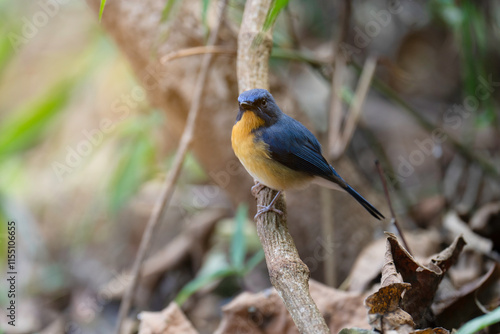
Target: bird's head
(260, 102)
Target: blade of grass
(204, 12)
(254, 261)
(24, 127)
(475, 325)
(133, 169)
(238, 242)
(101, 9)
(200, 282)
(276, 8)
(167, 10)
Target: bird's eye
(263, 103)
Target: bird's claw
(256, 188)
(268, 208)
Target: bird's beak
(245, 105)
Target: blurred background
(91, 116)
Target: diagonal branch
(173, 175)
(289, 275)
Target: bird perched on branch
(281, 153)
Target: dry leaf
(424, 280)
(169, 321)
(384, 305)
(408, 288)
(190, 245)
(370, 261)
(264, 312)
(463, 305)
(486, 222)
(455, 226)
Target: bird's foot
(267, 208)
(257, 187)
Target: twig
(379, 85)
(300, 56)
(197, 50)
(381, 155)
(335, 119)
(354, 113)
(393, 216)
(173, 175)
(288, 274)
(467, 153)
(345, 17)
(328, 231)
(334, 138)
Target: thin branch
(328, 230)
(334, 135)
(288, 274)
(354, 113)
(300, 56)
(343, 27)
(169, 185)
(198, 50)
(393, 215)
(385, 89)
(466, 152)
(334, 138)
(335, 119)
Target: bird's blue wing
(294, 146)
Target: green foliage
(204, 11)
(166, 14)
(6, 51)
(469, 26)
(475, 325)
(356, 331)
(217, 267)
(25, 127)
(101, 9)
(136, 162)
(238, 244)
(273, 13)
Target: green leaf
(238, 242)
(214, 268)
(25, 127)
(132, 170)
(254, 261)
(101, 10)
(199, 282)
(6, 52)
(273, 13)
(204, 11)
(475, 325)
(167, 10)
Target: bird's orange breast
(255, 156)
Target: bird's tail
(370, 208)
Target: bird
(281, 153)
